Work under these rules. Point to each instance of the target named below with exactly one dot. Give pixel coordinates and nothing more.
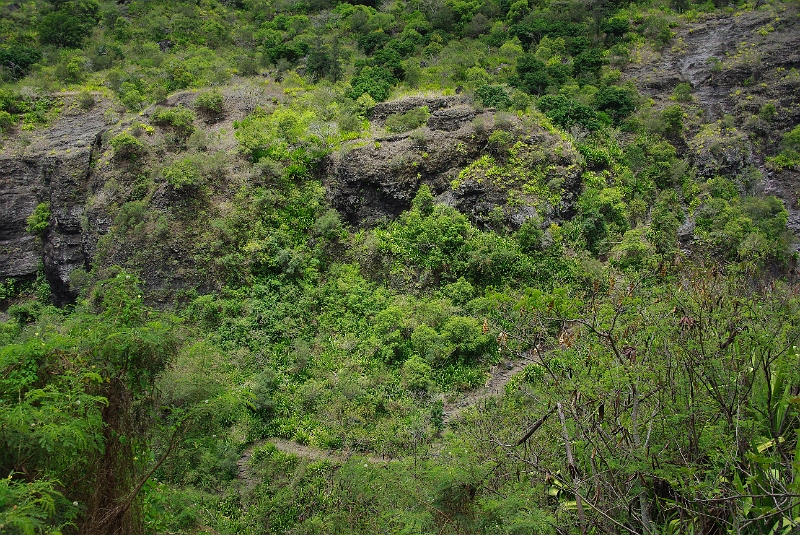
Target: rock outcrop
(54, 166)
(377, 181)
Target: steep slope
(742, 70)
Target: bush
(18, 59)
(85, 100)
(376, 81)
(39, 221)
(567, 113)
(493, 96)
(209, 102)
(634, 251)
(416, 376)
(6, 121)
(532, 76)
(397, 122)
(616, 101)
(789, 157)
(70, 24)
(682, 92)
(130, 215)
(183, 175)
(126, 146)
(180, 119)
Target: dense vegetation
(655, 304)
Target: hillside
(442, 267)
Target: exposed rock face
(736, 65)
(725, 52)
(378, 181)
(19, 252)
(450, 119)
(384, 109)
(55, 168)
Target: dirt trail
(499, 377)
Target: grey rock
(384, 109)
(54, 168)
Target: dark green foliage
(567, 113)
(493, 96)
(375, 81)
(531, 236)
(371, 42)
(618, 102)
(615, 29)
(17, 59)
(532, 74)
(324, 60)
(389, 59)
(70, 23)
(587, 64)
(39, 221)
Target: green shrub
(672, 117)
(616, 101)
(789, 157)
(376, 81)
(210, 102)
(39, 221)
(416, 375)
(596, 156)
(130, 215)
(683, 92)
(500, 141)
(567, 113)
(768, 111)
(19, 58)
(85, 100)
(126, 146)
(532, 76)
(403, 122)
(70, 24)
(493, 96)
(183, 175)
(6, 121)
(634, 251)
(179, 119)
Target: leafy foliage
(628, 267)
(39, 221)
(403, 122)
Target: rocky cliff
(742, 71)
(52, 166)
